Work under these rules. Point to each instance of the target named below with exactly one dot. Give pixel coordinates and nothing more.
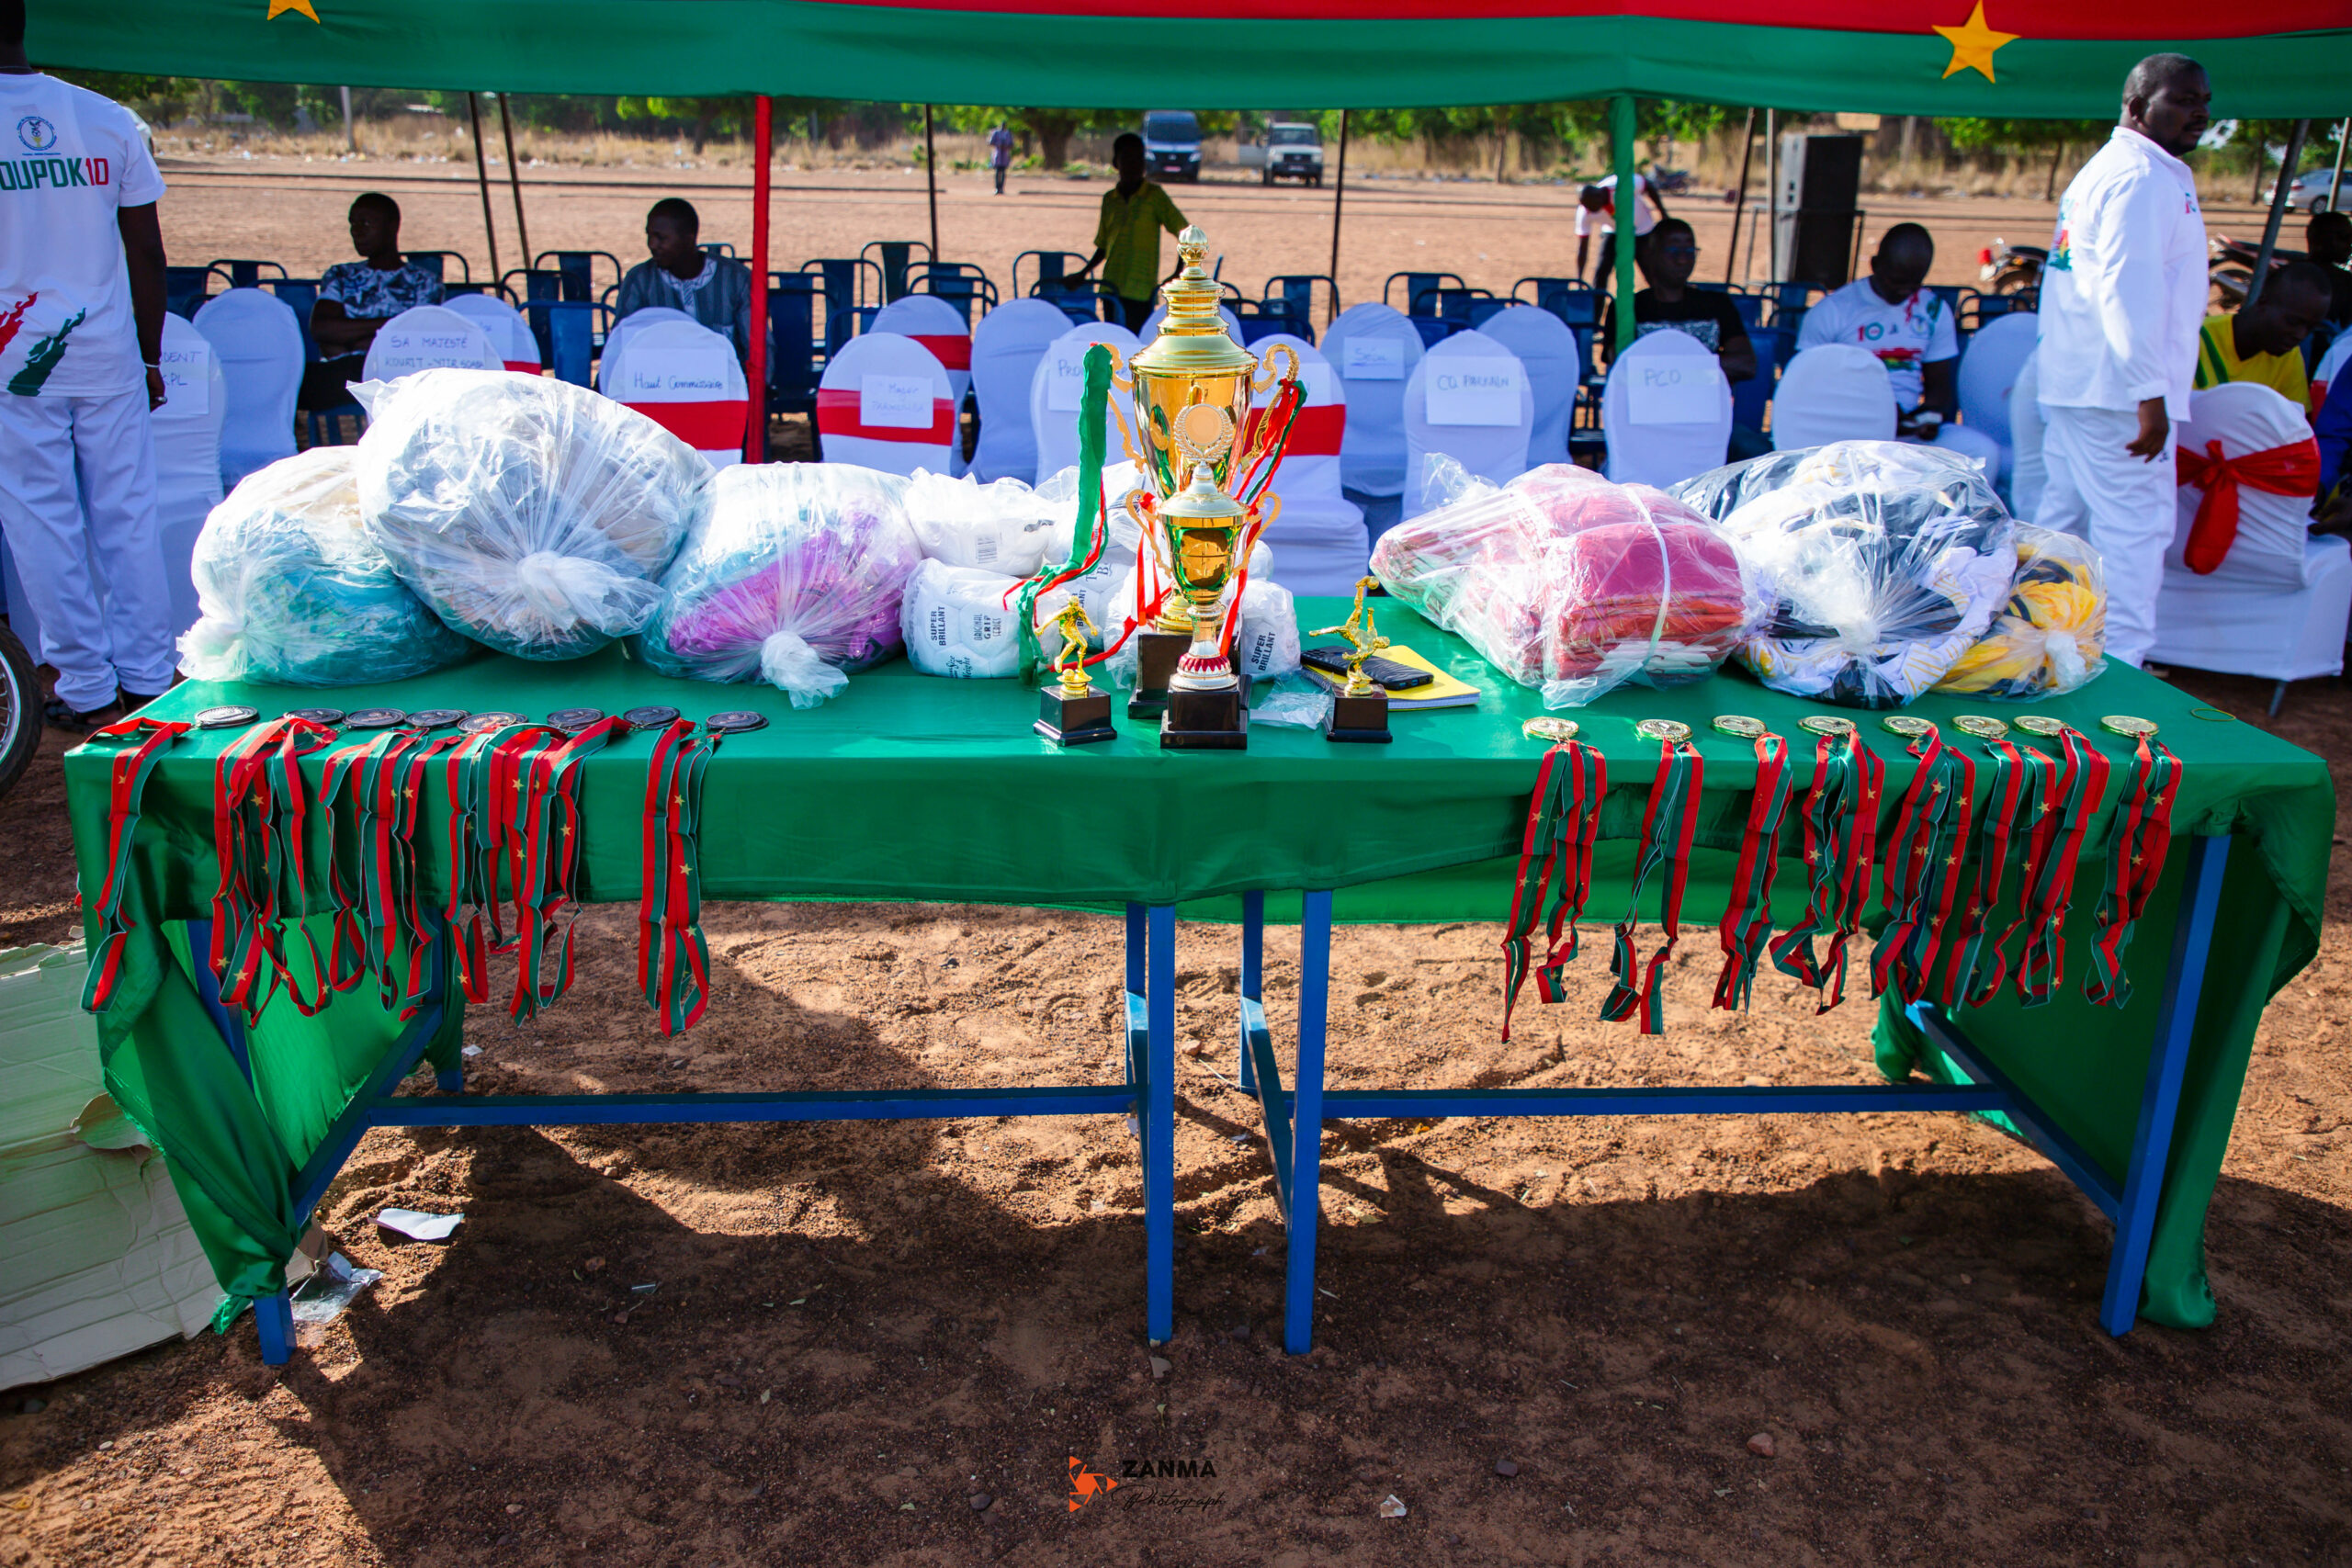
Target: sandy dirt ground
(1490, 235)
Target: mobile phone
(1386, 673)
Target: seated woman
(713, 290)
(358, 298)
(1666, 258)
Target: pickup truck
(1290, 150)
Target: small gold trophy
(1072, 713)
(1193, 388)
(1360, 707)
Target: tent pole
(1338, 194)
(930, 179)
(1629, 198)
(2277, 210)
(515, 181)
(755, 365)
(2335, 186)
(1772, 191)
(481, 178)
(1740, 202)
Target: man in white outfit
(81, 313)
(2121, 300)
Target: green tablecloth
(905, 787)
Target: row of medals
(1909, 726)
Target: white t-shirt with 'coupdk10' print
(70, 161)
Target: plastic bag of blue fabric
(531, 515)
(292, 591)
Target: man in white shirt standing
(1600, 197)
(2122, 298)
(81, 314)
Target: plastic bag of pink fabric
(1567, 582)
(794, 575)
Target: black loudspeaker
(1820, 209)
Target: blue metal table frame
(1292, 1120)
(1148, 1094)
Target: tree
(2024, 137)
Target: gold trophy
(1193, 388)
(1072, 712)
(1360, 707)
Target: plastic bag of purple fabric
(794, 575)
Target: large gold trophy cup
(1193, 388)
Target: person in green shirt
(1126, 237)
(2263, 343)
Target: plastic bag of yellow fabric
(2051, 637)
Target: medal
(651, 717)
(374, 718)
(1908, 726)
(486, 721)
(2041, 723)
(1826, 724)
(328, 717)
(1671, 731)
(1981, 727)
(735, 721)
(1740, 725)
(2131, 729)
(437, 718)
(1552, 731)
(234, 716)
(572, 721)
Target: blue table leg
(1159, 1122)
(1307, 1121)
(450, 1080)
(273, 1318)
(2143, 1180)
(207, 992)
(1253, 982)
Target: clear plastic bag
(1882, 563)
(1564, 580)
(2049, 637)
(292, 593)
(959, 621)
(1004, 527)
(793, 574)
(531, 515)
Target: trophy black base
(1362, 719)
(1204, 721)
(1156, 656)
(1074, 721)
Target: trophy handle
(1267, 377)
(1122, 378)
(1128, 436)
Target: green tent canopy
(2063, 59)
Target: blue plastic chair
(185, 288)
(1435, 330)
(1570, 298)
(1749, 399)
(795, 360)
(892, 256)
(719, 248)
(1053, 267)
(1418, 288)
(843, 281)
(437, 263)
(570, 331)
(302, 295)
(245, 274)
(578, 270)
(1295, 290)
(1792, 300)
(961, 284)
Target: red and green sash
(670, 943)
(1748, 919)
(2135, 860)
(1841, 841)
(131, 768)
(1669, 824)
(1563, 820)
(1921, 868)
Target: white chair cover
(187, 456)
(1006, 347)
(429, 337)
(1988, 370)
(509, 334)
(1837, 392)
(2278, 605)
(1497, 452)
(1159, 314)
(1318, 537)
(685, 379)
(1554, 369)
(258, 340)
(939, 327)
(637, 321)
(2029, 474)
(1373, 373)
(2331, 365)
(1666, 409)
(866, 408)
(1054, 394)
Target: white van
(1290, 150)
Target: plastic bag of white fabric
(961, 622)
(531, 515)
(794, 574)
(1882, 563)
(1004, 526)
(292, 593)
(1265, 644)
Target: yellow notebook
(1442, 692)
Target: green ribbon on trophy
(1092, 534)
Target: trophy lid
(1200, 502)
(1193, 340)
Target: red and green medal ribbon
(546, 825)
(1841, 841)
(1747, 918)
(1668, 825)
(2073, 801)
(673, 958)
(2136, 847)
(1563, 820)
(1973, 968)
(259, 806)
(1922, 867)
(128, 787)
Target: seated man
(356, 298)
(2328, 238)
(1892, 314)
(1600, 197)
(2264, 342)
(714, 291)
(1669, 303)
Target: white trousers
(2124, 505)
(77, 486)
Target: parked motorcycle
(2231, 266)
(19, 709)
(2004, 268)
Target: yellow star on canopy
(279, 6)
(1973, 42)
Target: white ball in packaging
(961, 622)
